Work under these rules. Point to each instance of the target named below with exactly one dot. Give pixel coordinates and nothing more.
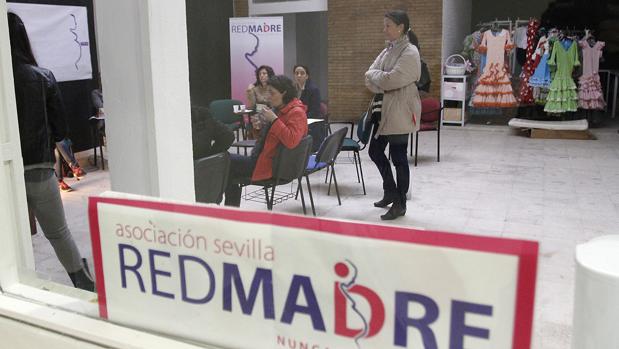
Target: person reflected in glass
(41, 119)
(396, 109)
(64, 153)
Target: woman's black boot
(398, 209)
(82, 278)
(386, 200)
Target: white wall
(15, 242)
(144, 68)
(456, 25)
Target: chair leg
(302, 197)
(416, 146)
(337, 191)
(438, 145)
(309, 189)
(273, 195)
(330, 179)
(102, 158)
(95, 138)
(411, 144)
(326, 175)
(361, 170)
(296, 196)
(266, 196)
(356, 166)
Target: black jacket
(311, 98)
(209, 135)
(40, 113)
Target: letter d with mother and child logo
(251, 280)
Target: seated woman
(308, 93)
(258, 94)
(286, 124)
(310, 96)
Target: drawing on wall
(59, 37)
(248, 55)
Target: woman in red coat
(285, 124)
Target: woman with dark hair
(257, 93)
(396, 109)
(308, 93)
(42, 122)
(285, 124)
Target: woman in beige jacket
(392, 78)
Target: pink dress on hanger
(590, 92)
(495, 88)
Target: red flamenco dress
(526, 91)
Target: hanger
(495, 27)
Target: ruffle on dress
(590, 93)
(562, 96)
(494, 89)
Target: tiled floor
(490, 181)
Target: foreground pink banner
(285, 281)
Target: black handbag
(369, 119)
(424, 79)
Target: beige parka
(394, 73)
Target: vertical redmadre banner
(254, 42)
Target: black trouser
(398, 145)
(241, 169)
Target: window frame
(24, 298)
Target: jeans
(64, 148)
(398, 145)
(44, 200)
(241, 169)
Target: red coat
(289, 128)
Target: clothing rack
(521, 23)
(503, 23)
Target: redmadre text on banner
(257, 28)
(297, 282)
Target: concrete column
(456, 25)
(145, 74)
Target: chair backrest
(364, 128)
(430, 110)
(223, 111)
(331, 146)
(211, 177)
(290, 164)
